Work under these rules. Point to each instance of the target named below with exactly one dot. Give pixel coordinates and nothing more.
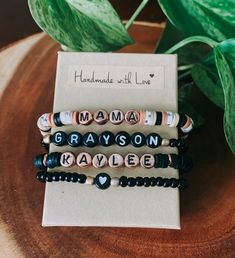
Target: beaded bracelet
(107, 138)
(131, 160)
(144, 117)
(104, 181)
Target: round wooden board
(207, 207)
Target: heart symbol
(102, 179)
(151, 75)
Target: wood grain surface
(207, 207)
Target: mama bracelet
(104, 181)
(85, 117)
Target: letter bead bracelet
(107, 138)
(85, 117)
(104, 181)
(115, 160)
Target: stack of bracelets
(106, 138)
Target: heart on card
(151, 75)
(102, 179)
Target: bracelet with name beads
(103, 180)
(107, 138)
(144, 117)
(115, 160)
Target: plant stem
(192, 39)
(136, 13)
(184, 75)
(185, 67)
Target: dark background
(16, 21)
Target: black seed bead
(182, 120)
(153, 181)
(139, 181)
(122, 138)
(74, 139)
(41, 176)
(81, 178)
(106, 138)
(56, 176)
(131, 181)
(49, 177)
(59, 138)
(123, 181)
(173, 143)
(159, 181)
(174, 161)
(56, 119)
(182, 184)
(165, 160)
(38, 161)
(74, 177)
(90, 139)
(159, 118)
(62, 176)
(140, 137)
(68, 177)
(166, 182)
(147, 181)
(174, 182)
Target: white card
(91, 81)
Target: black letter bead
(106, 138)
(75, 139)
(102, 181)
(123, 181)
(153, 140)
(90, 139)
(59, 138)
(122, 138)
(138, 139)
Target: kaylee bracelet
(144, 117)
(107, 138)
(84, 160)
(104, 181)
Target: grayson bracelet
(107, 138)
(85, 117)
(116, 160)
(104, 181)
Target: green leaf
(81, 25)
(208, 83)
(228, 84)
(187, 108)
(213, 18)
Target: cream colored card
(91, 81)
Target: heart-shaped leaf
(81, 25)
(213, 18)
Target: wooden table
(27, 77)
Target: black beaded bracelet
(104, 181)
(107, 138)
(67, 159)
